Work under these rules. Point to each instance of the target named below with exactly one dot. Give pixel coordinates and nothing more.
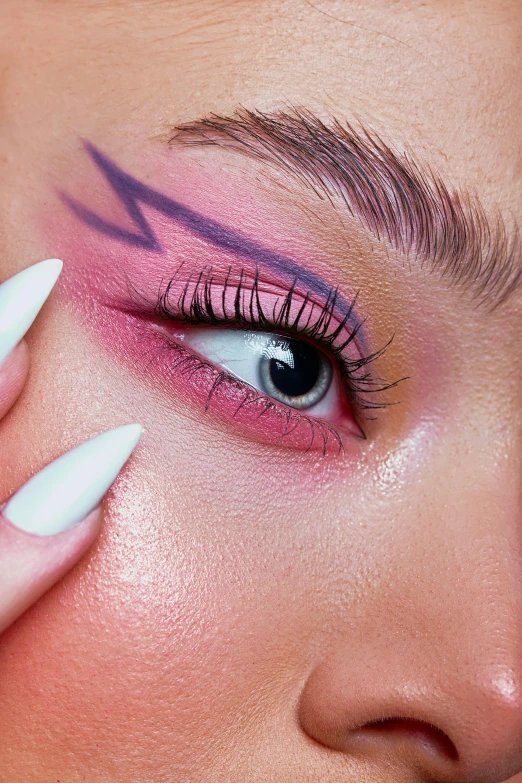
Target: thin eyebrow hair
(397, 199)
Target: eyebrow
(396, 198)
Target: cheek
(124, 650)
(133, 659)
(146, 654)
(201, 586)
(127, 654)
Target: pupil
(299, 379)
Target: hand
(47, 525)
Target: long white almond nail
(65, 491)
(21, 299)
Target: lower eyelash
(189, 364)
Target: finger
(13, 374)
(30, 565)
(51, 521)
(21, 299)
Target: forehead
(443, 74)
(440, 78)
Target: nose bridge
(433, 674)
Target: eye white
(247, 356)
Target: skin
(249, 609)
(30, 564)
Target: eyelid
(235, 297)
(244, 404)
(238, 299)
(191, 303)
(239, 352)
(243, 300)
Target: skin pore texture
(254, 609)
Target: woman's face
(273, 598)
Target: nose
(393, 716)
(426, 673)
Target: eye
(294, 372)
(286, 367)
(290, 370)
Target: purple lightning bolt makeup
(133, 193)
(175, 270)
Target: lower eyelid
(222, 395)
(221, 341)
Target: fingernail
(65, 491)
(21, 299)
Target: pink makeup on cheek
(151, 251)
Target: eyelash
(198, 307)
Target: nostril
(430, 737)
